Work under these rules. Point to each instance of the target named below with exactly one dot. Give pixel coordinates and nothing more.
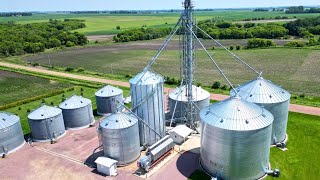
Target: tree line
(307, 28)
(227, 30)
(138, 34)
(17, 39)
(9, 14)
(301, 9)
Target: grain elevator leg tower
(187, 45)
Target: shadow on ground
(188, 162)
(90, 160)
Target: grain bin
(273, 98)
(120, 137)
(148, 104)
(11, 136)
(235, 139)
(108, 99)
(46, 123)
(179, 99)
(77, 112)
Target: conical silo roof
(74, 102)
(119, 121)
(108, 91)
(44, 112)
(146, 78)
(7, 120)
(198, 93)
(261, 90)
(236, 114)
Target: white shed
(106, 166)
(180, 133)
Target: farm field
(301, 159)
(15, 87)
(294, 69)
(101, 24)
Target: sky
(80, 5)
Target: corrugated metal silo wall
(181, 107)
(44, 130)
(151, 111)
(235, 154)
(121, 144)
(280, 112)
(77, 118)
(11, 138)
(106, 105)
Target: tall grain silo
(11, 136)
(108, 99)
(179, 99)
(120, 137)
(77, 112)
(46, 123)
(273, 98)
(235, 139)
(148, 103)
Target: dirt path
(218, 97)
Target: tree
(313, 42)
(118, 27)
(295, 44)
(70, 44)
(53, 42)
(238, 47)
(216, 85)
(258, 43)
(231, 47)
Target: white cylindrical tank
(235, 139)
(108, 99)
(273, 98)
(148, 104)
(46, 123)
(120, 137)
(77, 112)
(178, 98)
(11, 136)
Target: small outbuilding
(106, 166)
(180, 133)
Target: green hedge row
(25, 101)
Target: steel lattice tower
(187, 55)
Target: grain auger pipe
(214, 62)
(140, 119)
(235, 56)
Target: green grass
(15, 87)
(106, 24)
(301, 160)
(297, 70)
